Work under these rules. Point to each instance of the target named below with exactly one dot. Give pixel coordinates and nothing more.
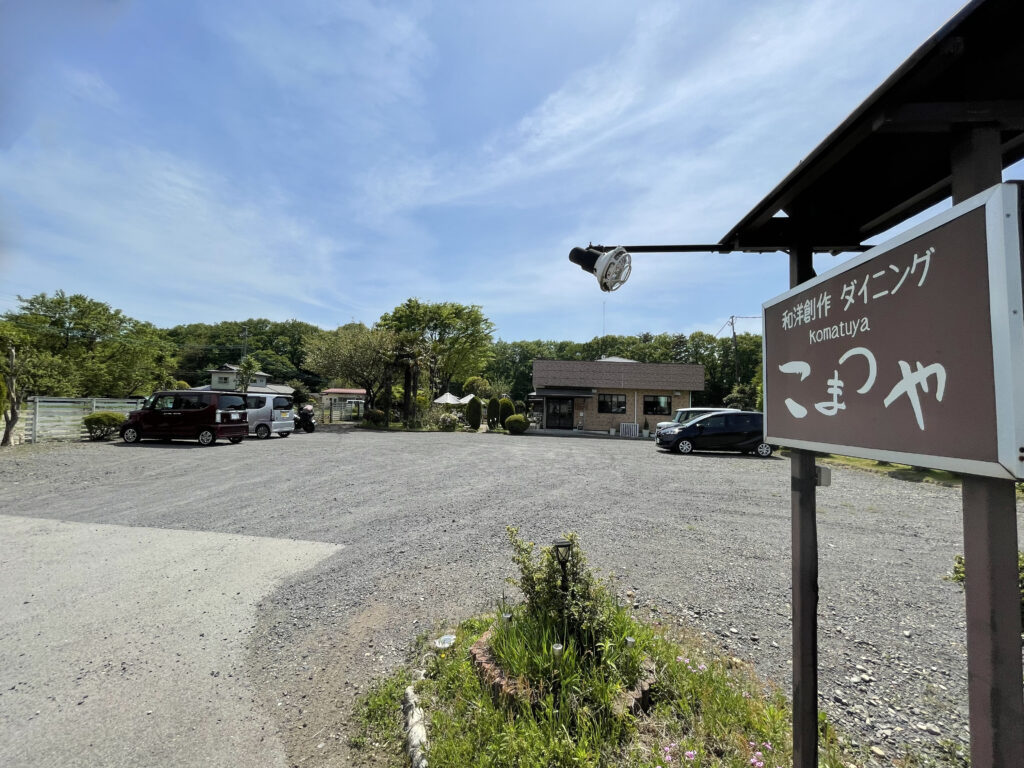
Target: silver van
(268, 414)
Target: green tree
(355, 355)
(93, 350)
(277, 346)
(248, 368)
(24, 370)
(477, 385)
(456, 339)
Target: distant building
(604, 394)
(226, 377)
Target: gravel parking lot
(421, 523)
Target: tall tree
(93, 350)
(24, 370)
(354, 354)
(456, 338)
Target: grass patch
(707, 710)
(572, 709)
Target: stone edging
(415, 726)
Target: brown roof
(613, 375)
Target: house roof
(891, 158)
(229, 368)
(269, 389)
(343, 391)
(610, 374)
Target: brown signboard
(912, 352)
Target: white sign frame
(1002, 204)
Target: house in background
(226, 377)
(611, 393)
(341, 404)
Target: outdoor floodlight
(611, 268)
(562, 548)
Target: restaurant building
(612, 394)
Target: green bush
(493, 409)
(103, 424)
(447, 422)
(520, 406)
(377, 417)
(505, 409)
(517, 423)
(474, 412)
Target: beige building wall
(634, 408)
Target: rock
(878, 752)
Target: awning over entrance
(561, 392)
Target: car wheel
(262, 432)
(284, 434)
(684, 446)
(206, 437)
(235, 440)
(764, 450)
(130, 435)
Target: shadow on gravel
(169, 445)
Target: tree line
(73, 346)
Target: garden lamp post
(562, 549)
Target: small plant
(493, 409)
(517, 424)
(102, 425)
(647, 425)
(447, 422)
(377, 417)
(474, 412)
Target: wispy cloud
(186, 236)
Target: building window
(222, 379)
(657, 405)
(611, 403)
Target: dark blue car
(736, 431)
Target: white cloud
(163, 234)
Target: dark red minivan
(188, 415)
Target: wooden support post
(993, 623)
(804, 544)
(994, 671)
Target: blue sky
(324, 161)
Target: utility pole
(735, 352)
(245, 342)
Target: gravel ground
(702, 539)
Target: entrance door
(559, 413)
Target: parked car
(269, 413)
(189, 415)
(723, 431)
(682, 415)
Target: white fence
(60, 418)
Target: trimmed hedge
(517, 423)
(474, 412)
(505, 409)
(102, 425)
(493, 409)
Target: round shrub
(505, 409)
(517, 423)
(447, 422)
(103, 424)
(492, 413)
(474, 411)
